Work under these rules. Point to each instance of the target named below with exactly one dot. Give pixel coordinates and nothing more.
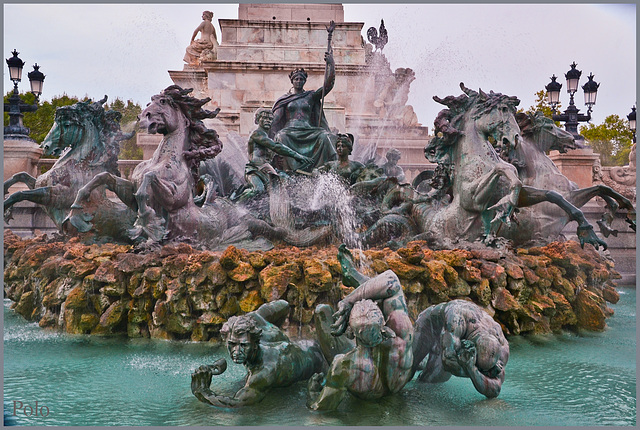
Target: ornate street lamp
(632, 122)
(572, 116)
(553, 92)
(16, 107)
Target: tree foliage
(40, 121)
(612, 140)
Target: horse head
(494, 118)
(74, 126)
(162, 115)
(173, 109)
(544, 133)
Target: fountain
(178, 258)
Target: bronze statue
(271, 358)
(348, 170)
(261, 148)
(299, 121)
(86, 137)
(381, 362)
(487, 191)
(391, 168)
(161, 189)
(206, 46)
(456, 337)
(378, 39)
(535, 169)
(460, 338)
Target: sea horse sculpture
(486, 190)
(86, 137)
(540, 135)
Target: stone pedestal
(20, 156)
(576, 164)
(148, 143)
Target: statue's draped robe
(315, 142)
(197, 47)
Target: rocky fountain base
(178, 292)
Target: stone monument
(258, 50)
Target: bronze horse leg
(23, 177)
(121, 187)
(530, 196)
(613, 199)
(40, 196)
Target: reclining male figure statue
(271, 358)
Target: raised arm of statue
(330, 78)
(385, 287)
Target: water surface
(585, 379)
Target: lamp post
(572, 116)
(632, 123)
(16, 107)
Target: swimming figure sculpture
(271, 358)
(460, 338)
(381, 362)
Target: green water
(587, 380)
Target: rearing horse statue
(86, 137)
(161, 190)
(485, 191)
(535, 168)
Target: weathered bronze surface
(86, 138)
(299, 121)
(270, 357)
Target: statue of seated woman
(207, 42)
(299, 121)
(343, 167)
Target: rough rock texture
(178, 292)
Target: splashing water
(329, 191)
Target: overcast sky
(126, 50)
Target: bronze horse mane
(106, 123)
(448, 120)
(205, 142)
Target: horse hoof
(632, 223)
(78, 223)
